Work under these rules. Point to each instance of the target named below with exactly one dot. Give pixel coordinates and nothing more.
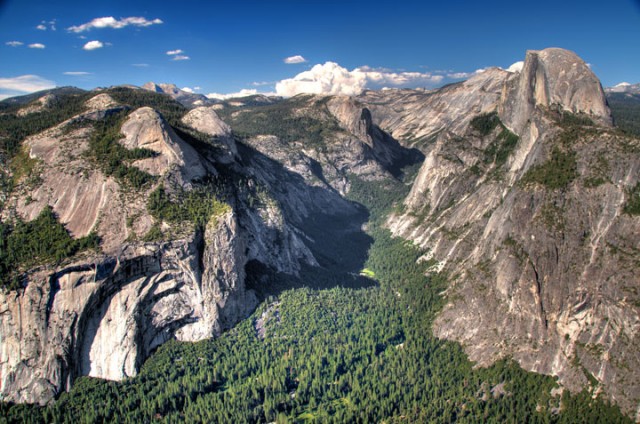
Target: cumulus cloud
(93, 45)
(245, 92)
(76, 73)
(37, 46)
(385, 77)
(174, 52)
(331, 78)
(188, 89)
(516, 67)
(295, 59)
(24, 84)
(465, 75)
(42, 27)
(14, 43)
(111, 22)
(181, 57)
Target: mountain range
(168, 211)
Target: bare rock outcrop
(101, 102)
(554, 78)
(40, 105)
(145, 128)
(357, 120)
(207, 121)
(415, 117)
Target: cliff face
(103, 318)
(525, 211)
(553, 78)
(102, 314)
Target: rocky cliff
(161, 273)
(523, 200)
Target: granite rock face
(205, 120)
(103, 318)
(553, 78)
(527, 217)
(103, 313)
(145, 128)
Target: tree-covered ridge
(44, 240)
(198, 206)
(330, 354)
(171, 110)
(299, 119)
(14, 128)
(625, 109)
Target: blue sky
(228, 46)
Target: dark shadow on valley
(336, 239)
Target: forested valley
(330, 346)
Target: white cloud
(262, 83)
(465, 75)
(181, 57)
(37, 46)
(14, 43)
(25, 84)
(245, 92)
(516, 67)
(459, 75)
(295, 59)
(140, 65)
(76, 73)
(331, 78)
(190, 90)
(93, 45)
(174, 52)
(43, 25)
(111, 22)
(385, 77)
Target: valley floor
(329, 347)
